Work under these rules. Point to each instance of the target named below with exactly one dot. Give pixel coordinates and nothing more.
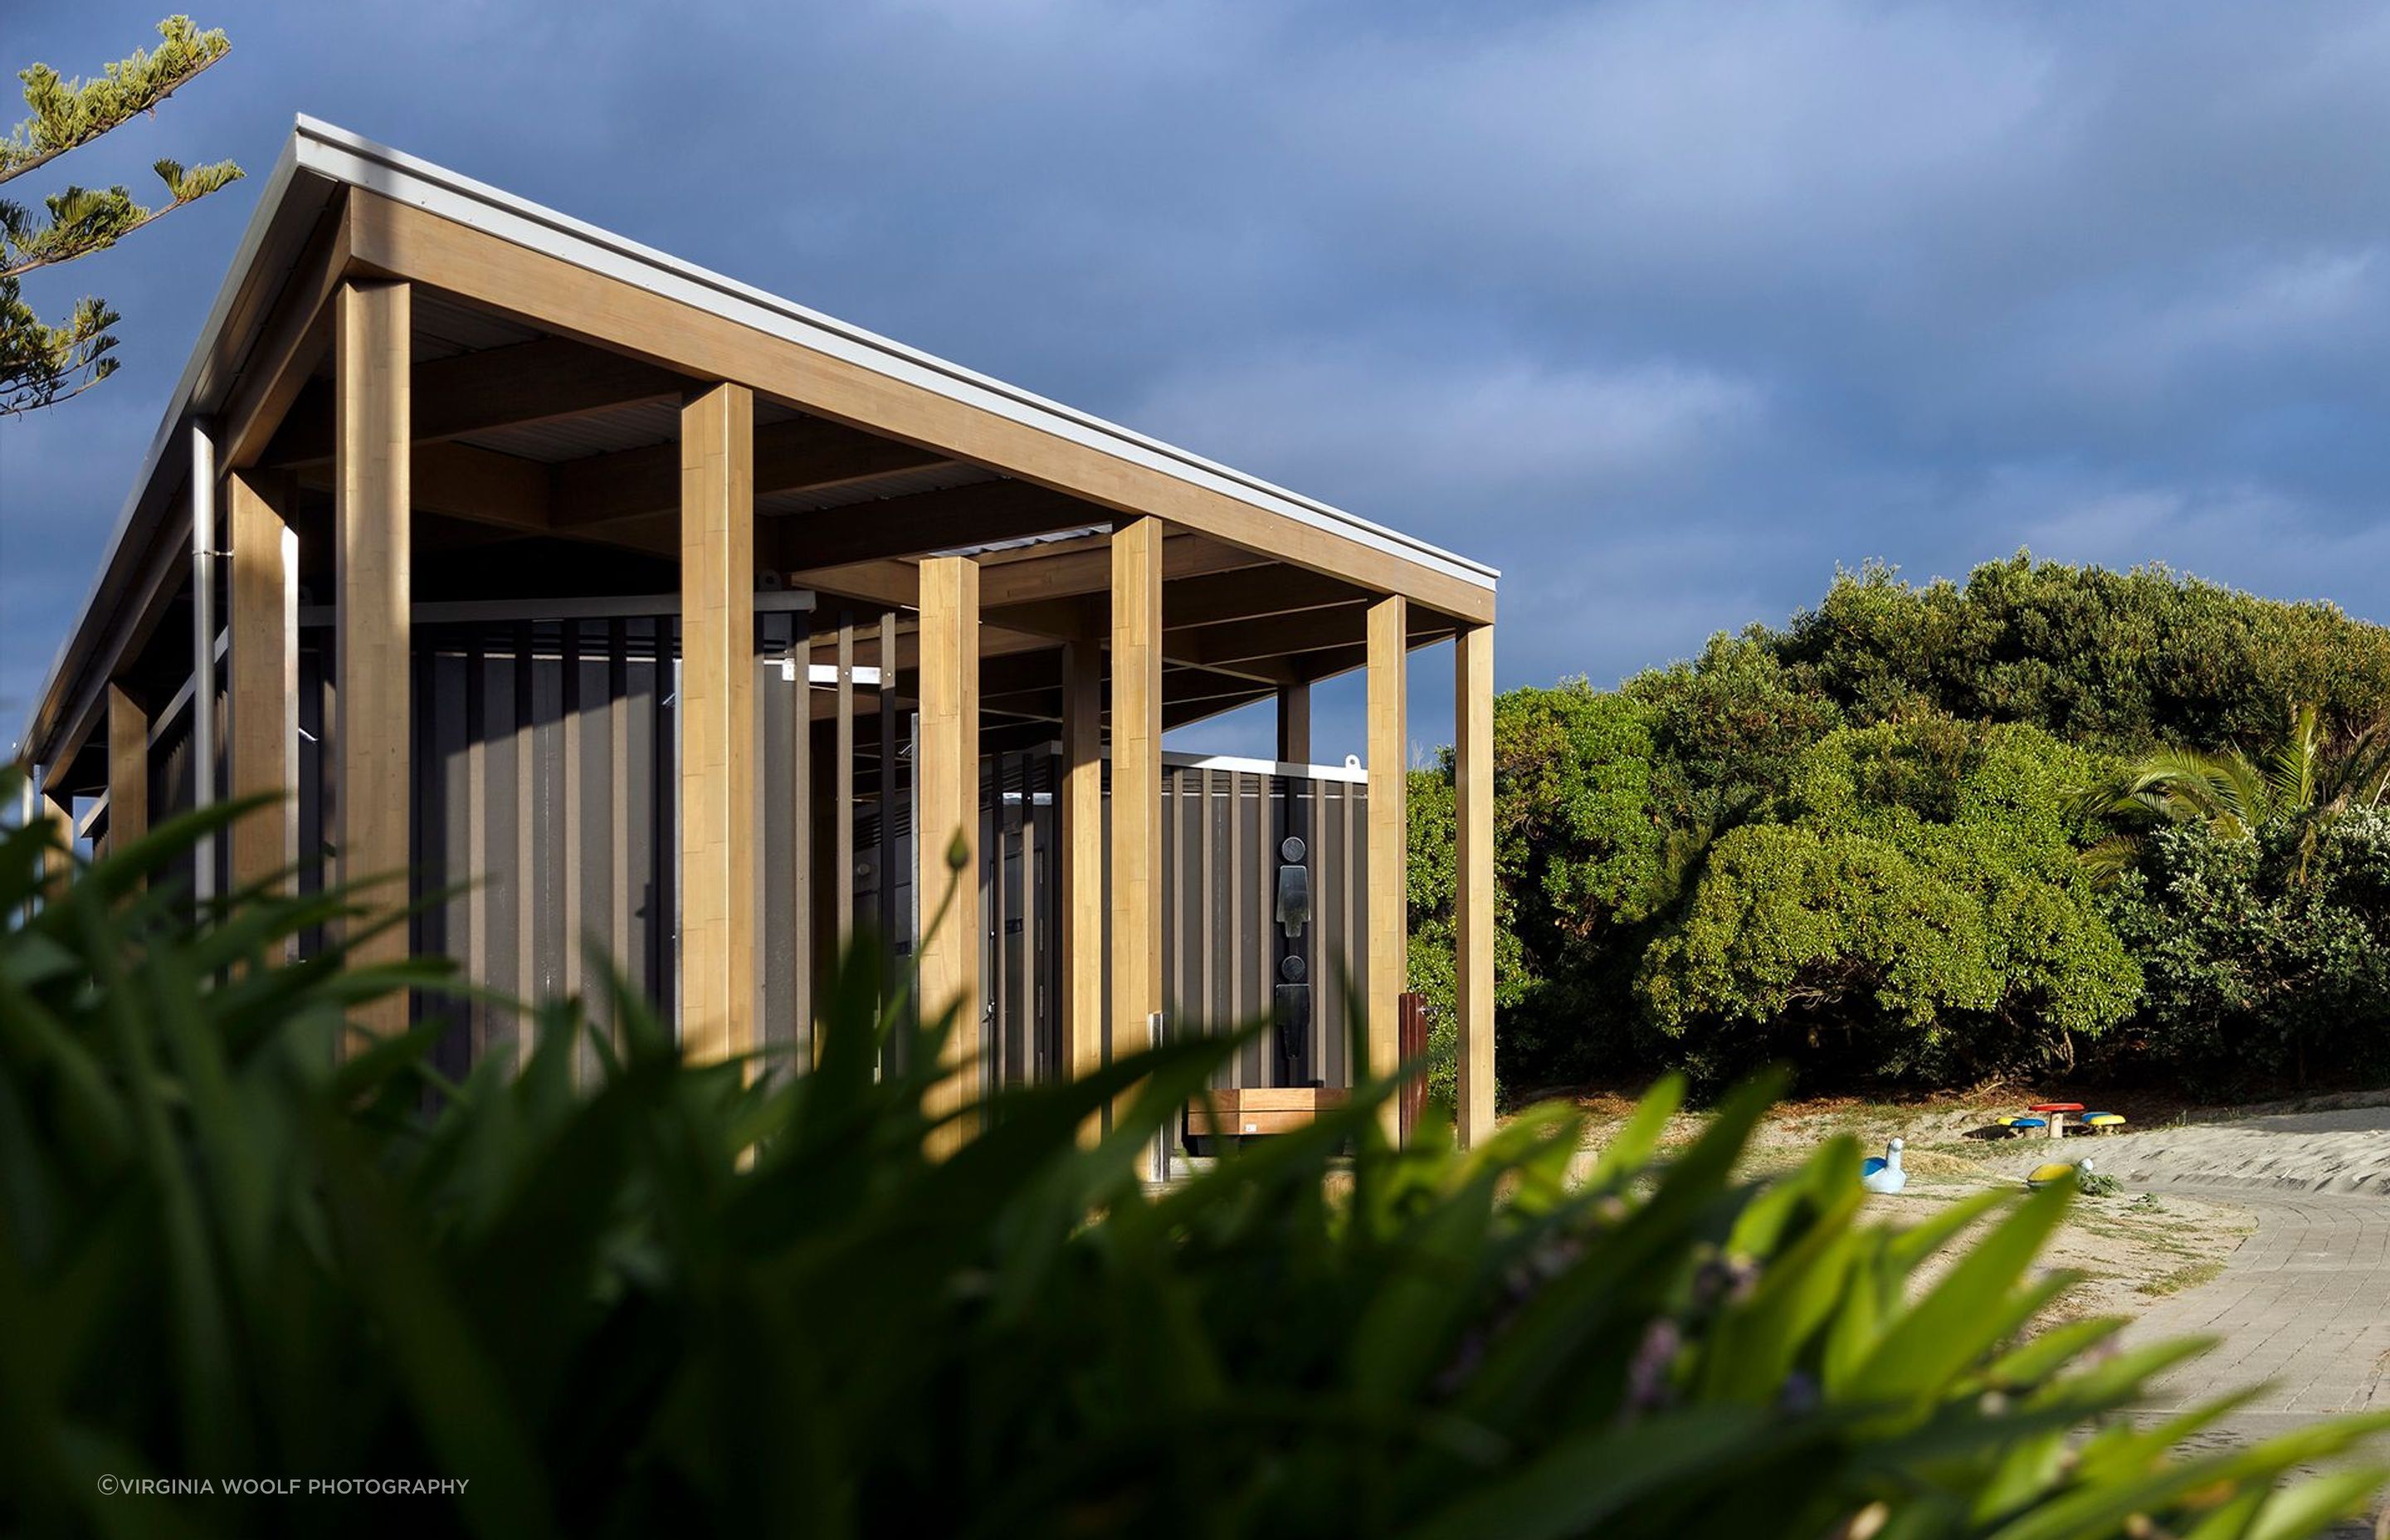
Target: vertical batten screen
(1222, 829)
(541, 801)
(544, 807)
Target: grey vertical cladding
(777, 946)
(314, 712)
(174, 788)
(172, 791)
(506, 746)
(590, 721)
(547, 787)
(1222, 828)
(539, 821)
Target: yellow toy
(2057, 1171)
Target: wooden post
(1389, 833)
(1137, 787)
(263, 676)
(717, 723)
(1474, 913)
(128, 769)
(58, 861)
(373, 638)
(1081, 867)
(1411, 1040)
(946, 772)
(1294, 723)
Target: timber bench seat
(1251, 1110)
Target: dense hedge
(1855, 844)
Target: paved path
(2303, 1304)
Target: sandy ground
(2130, 1250)
(2339, 1150)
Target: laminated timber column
(263, 678)
(946, 772)
(58, 861)
(1389, 921)
(1473, 901)
(374, 582)
(1136, 787)
(128, 769)
(717, 723)
(1082, 866)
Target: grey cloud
(1666, 309)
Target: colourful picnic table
(2056, 1111)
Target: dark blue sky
(1667, 310)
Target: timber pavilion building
(620, 601)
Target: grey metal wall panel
(1221, 830)
(777, 702)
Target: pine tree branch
(10, 406)
(82, 221)
(67, 114)
(40, 365)
(37, 361)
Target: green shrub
(2255, 976)
(682, 1300)
(1917, 910)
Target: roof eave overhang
(320, 159)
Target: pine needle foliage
(727, 1300)
(67, 114)
(42, 364)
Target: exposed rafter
(1235, 643)
(544, 380)
(1211, 598)
(798, 456)
(1031, 575)
(923, 522)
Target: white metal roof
(319, 156)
